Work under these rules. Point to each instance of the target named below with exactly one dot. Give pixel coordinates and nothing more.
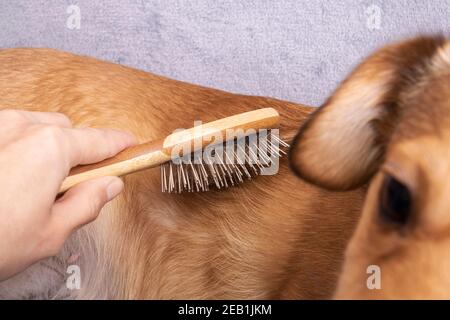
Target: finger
(89, 145)
(52, 118)
(82, 203)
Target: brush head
(224, 165)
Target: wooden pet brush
(239, 147)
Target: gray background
(296, 50)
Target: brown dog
(388, 126)
(274, 237)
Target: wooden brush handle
(154, 153)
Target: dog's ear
(341, 145)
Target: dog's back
(273, 237)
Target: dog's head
(388, 126)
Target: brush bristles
(224, 165)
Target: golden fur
(274, 237)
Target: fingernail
(114, 188)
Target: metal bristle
(229, 165)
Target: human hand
(37, 151)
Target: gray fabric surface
(297, 50)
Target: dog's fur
(274, 237)
(277, 236)
(390, 118)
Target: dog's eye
(395, 201)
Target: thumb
(82, 203)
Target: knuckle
(12, 115)
(95, 204)
(51, 135)
(64, 118)
(51, 139)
